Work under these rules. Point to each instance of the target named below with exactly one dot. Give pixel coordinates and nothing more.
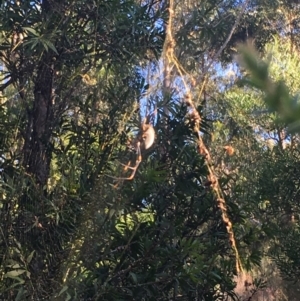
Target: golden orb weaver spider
(144, 140)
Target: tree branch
(236, 23)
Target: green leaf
(111, 212)
(14, 273)
(134, 277)
(63, 290)
(30, 256)
(21, 293)
(15, 266)
(51, 46)
(216, 275)
(33, 31)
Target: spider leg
(126, 166)
(137, 163)
(133, 168)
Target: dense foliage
(211, 204)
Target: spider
(144, 140)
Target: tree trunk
(37, 146)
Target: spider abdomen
(148, 135)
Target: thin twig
(236, 23)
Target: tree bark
(37, 146)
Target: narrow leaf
(14, 273)
(29, 258)
(33, 31)
(63, 290)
